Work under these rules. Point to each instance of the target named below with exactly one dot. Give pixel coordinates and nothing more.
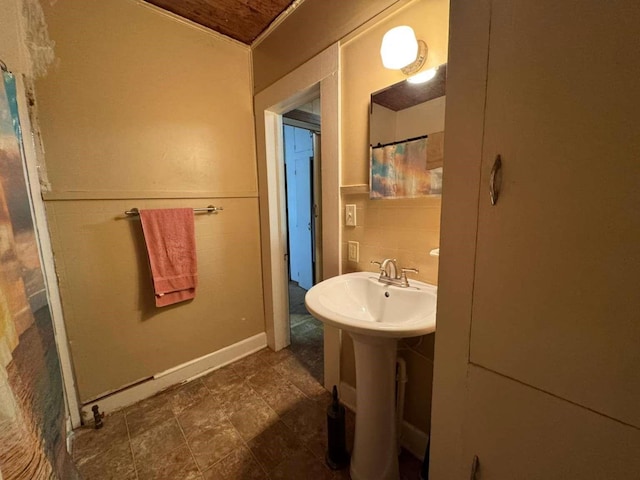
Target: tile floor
(260, 418)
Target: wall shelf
(359, 188)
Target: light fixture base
(420, 60)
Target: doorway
(301, 130)
(319, 76)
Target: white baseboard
(412, 438)
(176, 375)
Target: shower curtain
(407, 169)
(32, 409)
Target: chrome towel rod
(209, 209)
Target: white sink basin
(357, 302)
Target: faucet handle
(380, 267)
(403, 277)
(409, 270)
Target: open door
(316, 213)
(299, 148)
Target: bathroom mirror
(406, 136)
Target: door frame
(318, 75)
(464, 119)
(316, 214)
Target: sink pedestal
(375, 455)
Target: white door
(304, 262)
(298, 160)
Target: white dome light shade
(399, 47)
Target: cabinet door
(556, 300)
(521, 433)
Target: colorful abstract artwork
(408, 169)
(32, 412)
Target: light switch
(354, 251)
(350, 215)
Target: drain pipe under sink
(401, 381)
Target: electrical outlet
(354, 251)
(350, 215)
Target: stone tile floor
(260, 418)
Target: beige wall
(117, 334)
(387, 126)
(141, 110)
(403, 229)
(383, 129)
(314, 26)
(425, 118)
(139, 102)
(12, 48)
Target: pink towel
(171, 245)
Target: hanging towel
(171, 245)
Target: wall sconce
(401, 50)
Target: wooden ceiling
(242, 20)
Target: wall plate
(350, 215)
(353, 251)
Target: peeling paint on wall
(37, 39)
(39, 52)
(36, 136)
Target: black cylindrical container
(337, 456)
(424, 472)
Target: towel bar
(209, 209)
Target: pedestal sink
(375, 315)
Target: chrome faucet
(389, 273)
(389, 267)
